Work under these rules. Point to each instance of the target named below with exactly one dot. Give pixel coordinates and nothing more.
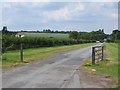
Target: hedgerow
(13, 43)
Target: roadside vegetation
(13, 43)
(38, 45)
(108, 67)
(49, 38)
(11, 58)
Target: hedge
(13, 43)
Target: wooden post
(93, 55)
(21, 52)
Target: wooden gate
(97, 53)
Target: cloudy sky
(78, 16)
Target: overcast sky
(78, 16)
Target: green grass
(112, 51)
(12, 57)
(107, 67)
(55, 35)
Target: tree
(74, 35)
(4, 30)
(115, 35)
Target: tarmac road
(58, 71)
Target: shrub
(12, 43)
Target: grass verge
(11, 58)
(108, 67)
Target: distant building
(97, 41)
(19, 35)
(105, 40)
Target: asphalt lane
(55, 72)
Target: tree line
(94, 35)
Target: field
(107, 67)
(54, 35)
(12, 57)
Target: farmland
(51, 35)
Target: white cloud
(103, 0)
(0, 15)
(114, 15)
(9, 5)
(7, 22)
(25, 0)
(39, 4)
(6, 5)
(74, 11)
(65, 13)
(60, 0)
(84, 13)
(103, 9)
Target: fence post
(21, 52)
(93, 55)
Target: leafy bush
(12, 43)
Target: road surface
(55, 72)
